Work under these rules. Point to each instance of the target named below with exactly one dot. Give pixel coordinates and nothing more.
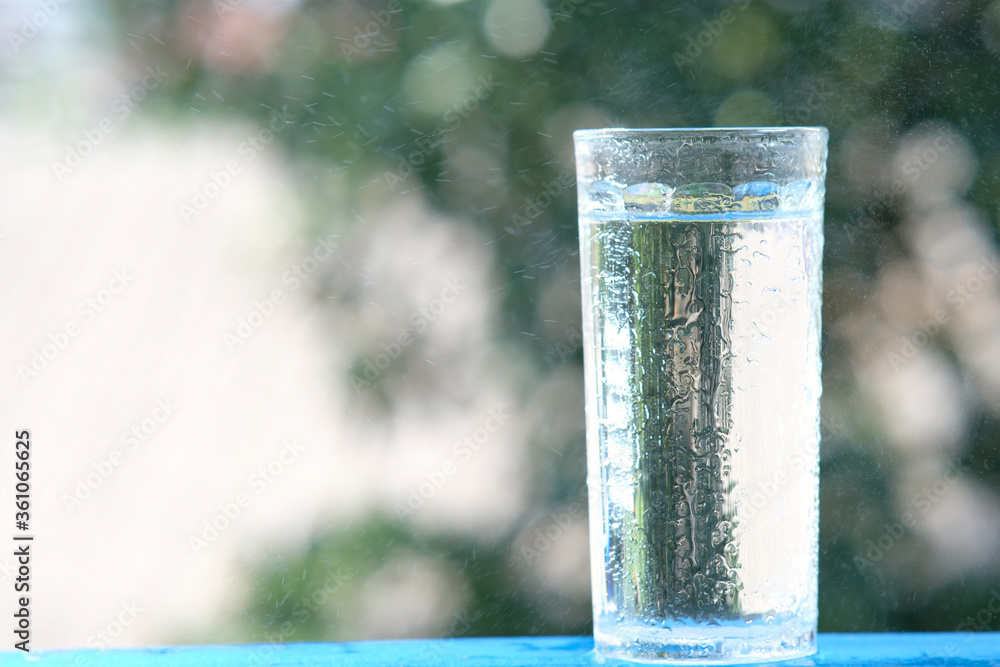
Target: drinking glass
(701, 257)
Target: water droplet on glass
(799, 195)
(605, 196)
(647, 197)
(756, 196)
(703, 198)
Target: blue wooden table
(854, 650)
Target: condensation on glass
(701, 255)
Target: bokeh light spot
(516, 28)
(748, 44)
(747, 107)
(438, 79)
(991, 26)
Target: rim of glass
(747, 131)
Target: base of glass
(715, 644)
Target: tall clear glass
(701, 257)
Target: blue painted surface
(853, 650)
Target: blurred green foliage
(361, 108)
